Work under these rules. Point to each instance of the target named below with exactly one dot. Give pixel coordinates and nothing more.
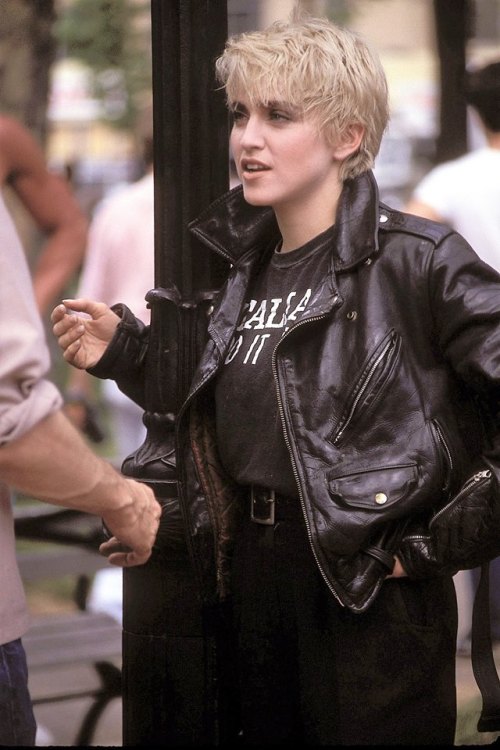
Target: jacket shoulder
(399, 221)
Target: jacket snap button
(380, 498)
(352, 315)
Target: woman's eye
(237, 115)
(277, 115)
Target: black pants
(313, 672)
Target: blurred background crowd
(78, 73)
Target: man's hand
(64, 471)
(134, 526)
(83, 339)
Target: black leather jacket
(388, 391)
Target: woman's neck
(299, 225)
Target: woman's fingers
(88, 306)
(58, 313)
(71, 351)
(68, 330)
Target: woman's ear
(349, 142)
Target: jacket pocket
(374, 489)
(369, 385)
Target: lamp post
(452, 20)
(169, 663)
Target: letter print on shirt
(275, 315)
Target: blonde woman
(332, 427)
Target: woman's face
(281, 158)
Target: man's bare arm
(49, 200)
(52, 462)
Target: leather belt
(262, 505)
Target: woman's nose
(252, 133)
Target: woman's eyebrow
(237, 106)
(293, 109)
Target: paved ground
(57, 725)
(58, 722)
(469, 705)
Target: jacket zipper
(444, 445)
(294, 466)
(390, 344)
(479, 476)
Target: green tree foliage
(112, 37)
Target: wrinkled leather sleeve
(464, 294)
(124, 358)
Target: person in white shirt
(119, 266)
(465, 192)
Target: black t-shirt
(249, 428)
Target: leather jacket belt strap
(262, 505)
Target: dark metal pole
(168, 654)
(452, 21)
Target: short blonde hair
(327, 72)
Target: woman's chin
(253, 199)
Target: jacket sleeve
(464, 295)
(124, 358)
(463, 534)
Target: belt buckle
(262, 504)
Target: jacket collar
(233, 228)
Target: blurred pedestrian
(465, 194)
(334, 474)
(43, 455)
(49, 201)
(119, 267)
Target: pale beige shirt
(119, 259)
(26, 397)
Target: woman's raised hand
(83, 338)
